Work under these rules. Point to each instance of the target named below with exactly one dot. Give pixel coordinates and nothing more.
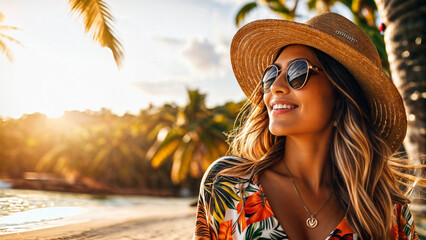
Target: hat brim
(255, 46)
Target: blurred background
(135, 97)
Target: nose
(280, 86)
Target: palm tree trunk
(405, 38)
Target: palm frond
(242, 13)
(166, 149)
(100, 157)
(4, 48)
(6, 51)
(312, 4)
(279, 8)
(11, 39)
(182, 162)
(98, 22)
(164, 153)
(3, 27)
(49, 158)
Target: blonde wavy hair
(371, 180)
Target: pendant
(311, 222)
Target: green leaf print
(253, 232)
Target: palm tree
(105, 147)
(98, 20)
(363, 12)
(405, 44)
(193, 142)
(275, 6)
(6, 38)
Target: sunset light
(212, 119)
(60, 68)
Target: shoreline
(175, 220)
(84, 185)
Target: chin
(278, 131)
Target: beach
(137, 218)
(174, 226)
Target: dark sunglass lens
(297, 73)
(269, 78)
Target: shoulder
(402, 212)
(224, 163)
(214, 181)
(219, 165)
(403, 226)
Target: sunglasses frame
(310, 67)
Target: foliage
(363, 12)
(4, 38)
(114, 150)
(97, 21)
(195, 139)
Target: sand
(158, 221)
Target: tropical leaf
(61, 164)
(279, 8)
(209, 143)
(98, 22)
(242, 13)
(223, 194)
(312, 4)
(253, 232)
(191, 139)
(167, 147)
(277, 234)
(5, 38)
(48, 159)
(6, 51)
(378, 41)
(164, 152)
(202, 230)
(100, 157)
(181, 164)
(356, 5)
(154, 132)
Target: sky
(169, 46)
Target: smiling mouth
(283, 106)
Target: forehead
(296, 51)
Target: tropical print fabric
(234, 208)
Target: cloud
(202, 55)
(167, 41)
(171, 87)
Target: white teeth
(283, 106)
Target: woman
(311, 159)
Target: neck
(308, 159)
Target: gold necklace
(311, 222)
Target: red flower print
(257, 208)
(242, 215)
(225, 230)
(342, 232)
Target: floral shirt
(237, 208)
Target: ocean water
(25, 210)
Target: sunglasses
(297, 74)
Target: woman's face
(312, 106)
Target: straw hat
(255, 46)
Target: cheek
(320, 110)
(266, 98)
